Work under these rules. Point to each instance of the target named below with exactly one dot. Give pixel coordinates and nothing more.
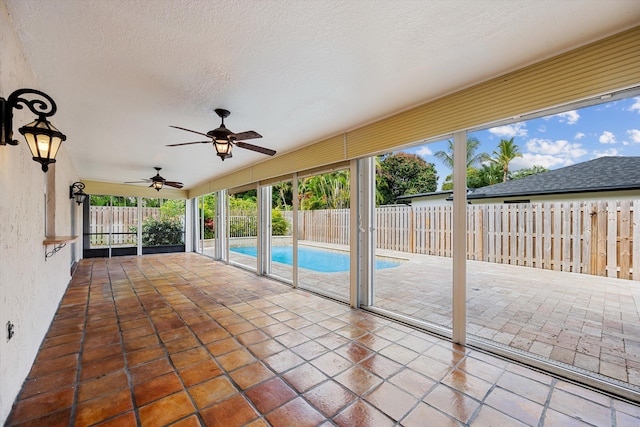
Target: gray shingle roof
(602, 174)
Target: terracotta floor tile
(292, 339)
(103, 407)
(283, 361)
(252, 337)
(212, 335)
(102, 367)
(102, 385)
(266, 348)
(354, 352)
(230, 413)
(580, 408)
(176, 346)
(391, 400)
(373, 342)
(381, 366)
(41, 405)
(190, 357)
(413, 383)
(212, 391)
(62, 339)
(164, 411)
(251, 375)
(157, 388)
(304, 377)
(525, 387)
(92, 354)
(515, 406)
(46, 383)
(143, 373)
(467, 384)
(447, 356)
(191, 421)
(125, 420)
(452, 402)
(309, 350)
(145, 355)
(424, 414)
(270, 394)
(61, 418)
(330, 397)
(59, 350)
(295, 413)
(49, 366)
(481, 369)
(200, 372)
(362, 414)
(235, 359)
(331, 363)
(358, 380)
(224, 346)
(174, 334)
(554, 418)
(490, 417)
(430, 367)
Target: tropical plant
(402, 173)
(527, 172)
(325, 191)
(279, 224)
(473, 158)
(486, 175)
(507, 151)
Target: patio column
(459, 237)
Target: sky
(610, 129)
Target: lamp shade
(157, 185)
(44, 141)
(223, 148)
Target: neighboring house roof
(601, 174)
(433, 194)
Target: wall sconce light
(43, 138)
(75, 192)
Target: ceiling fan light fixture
(223, 148)
(157, 185)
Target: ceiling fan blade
(189, 130)
(174, 184)
(250, 134)
(267, 151)
(189, 143)
(138, 182)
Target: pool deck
(589, 322)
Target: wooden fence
(597, 238)
(116, 219)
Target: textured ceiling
(295, 71)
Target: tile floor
(186, 341)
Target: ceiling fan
(158, 182)
(223, 139)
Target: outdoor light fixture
(223, 148)
(75, 191)
(43, 138)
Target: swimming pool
(312, 258)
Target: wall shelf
(58, 243)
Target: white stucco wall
(30, 287)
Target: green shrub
(279, 224)
(164, 231)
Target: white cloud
(579, 135)
(607, 138)
(634, 135)
(636, 105)
(424, 151)
(560, 147)
(510, 131)
(609, 152)
(549, 154)
(542, 129)
(529, 160)
(568, 117)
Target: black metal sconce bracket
(42, 108)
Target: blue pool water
(311, 258)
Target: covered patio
(183, 340)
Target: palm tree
(506, 152)
(473, 159)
